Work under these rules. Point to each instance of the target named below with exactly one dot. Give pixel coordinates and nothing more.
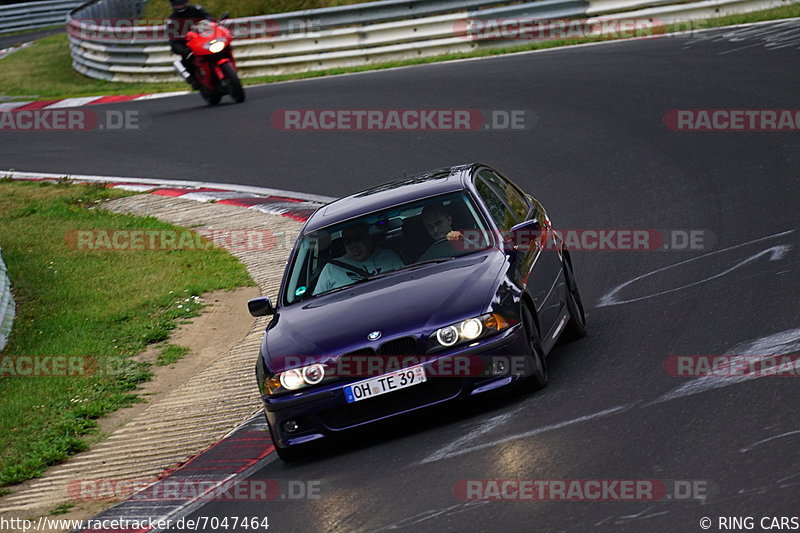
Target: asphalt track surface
(598, 156)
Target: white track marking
(758, 443)
(12, 173)
(777, 344)
(8, 106)
(73, 102)
(439, 454)
(461, 442)
(781, 343)
(775, 253)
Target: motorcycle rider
(181, 21)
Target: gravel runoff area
(210, 403)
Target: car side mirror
(523, 235)
(260, 306)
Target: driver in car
(439, 225)
(361, 260)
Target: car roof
(408, 189)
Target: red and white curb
(295, 205)
(250, 443)
(84, 100)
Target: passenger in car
(361, 260)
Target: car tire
(538, 378)
(576, 327)
(287, 455)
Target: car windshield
(397, 238)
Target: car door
(537, 268)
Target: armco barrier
(6, 304)
(354, 35)
(32, 15)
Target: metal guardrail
(6, 305)
(345, 36)
(32, 15)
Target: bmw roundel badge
(375, 335)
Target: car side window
(503, 216)
(510, 195)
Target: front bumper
(323, 411)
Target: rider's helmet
(178, 5)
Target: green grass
(63, 508)
(45, 69)
(171, 353)
(106, 305)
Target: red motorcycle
(215, 67)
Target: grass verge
(103, 306)
(171, 354)
(44, 70)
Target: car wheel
(576, 327)
(286, 454)
(538, 377)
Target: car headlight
(313, 374)
(447, 336)
(216, 47)
(295, 378)
(467, 330)
(471, 329)
(292, 379)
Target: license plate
(369, 388)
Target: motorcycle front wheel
(234, 85)
(211, 97)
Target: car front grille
(401, 346)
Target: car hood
(411, 302)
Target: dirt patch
(224, 322)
